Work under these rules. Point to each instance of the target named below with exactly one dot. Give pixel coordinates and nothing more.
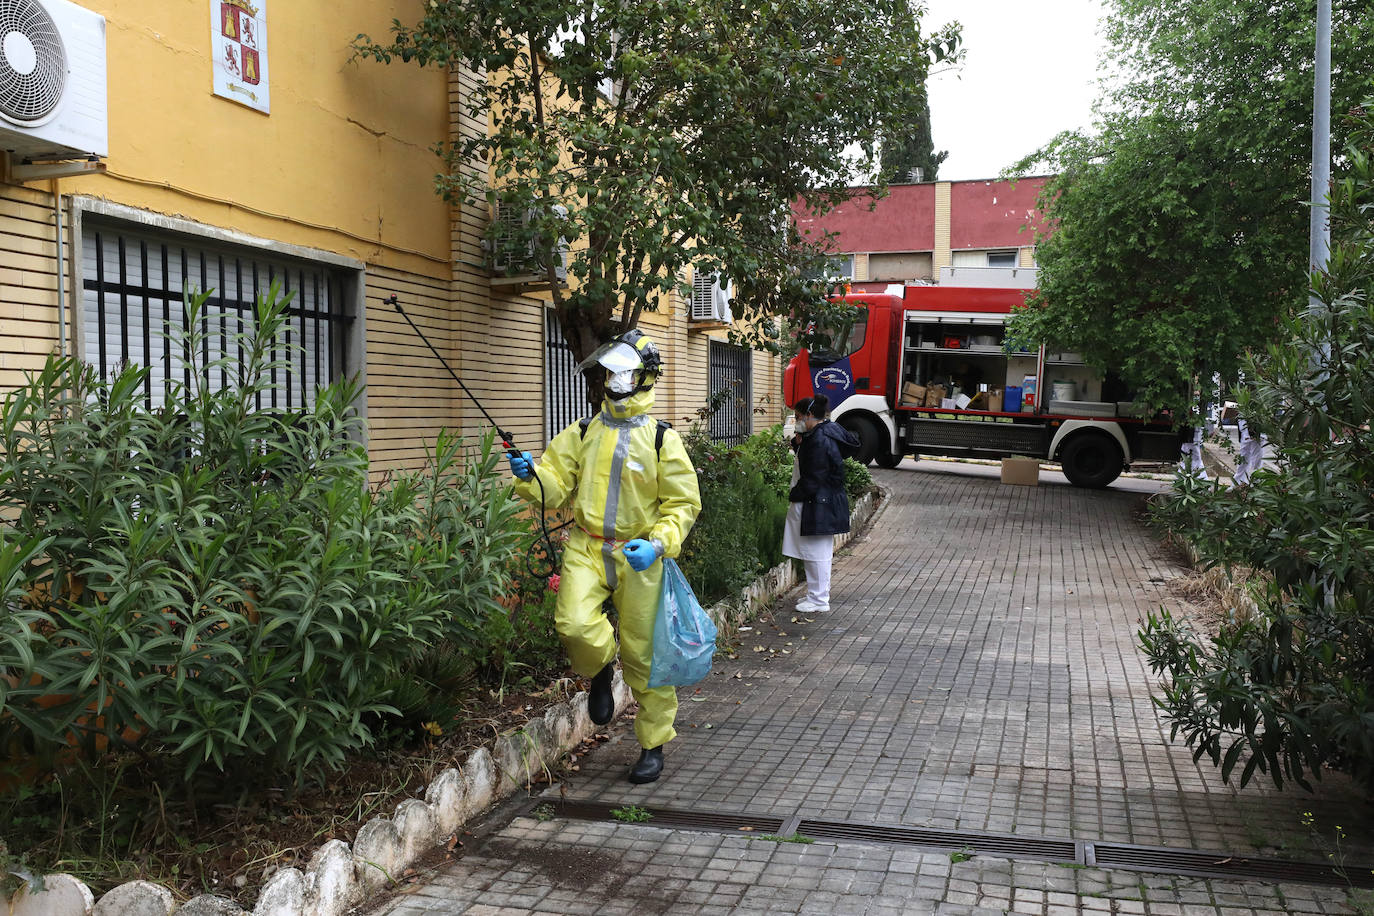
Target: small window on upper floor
(838, 267)
(1002, 258)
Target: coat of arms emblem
(239, 26)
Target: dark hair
(817, 406)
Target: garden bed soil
(230, 849)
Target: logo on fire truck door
(835, 381)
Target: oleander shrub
(216, 586)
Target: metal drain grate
(681, 820)
(1012, 847)
(1160, 860)
(1221, 865)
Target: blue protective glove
(522, 465)
(640, 554)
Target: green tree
(1179, 225)
(911, 146)
(661, 134)
(1289, 689)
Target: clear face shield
(622, 363)
(616, 356)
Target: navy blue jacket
(820, 484)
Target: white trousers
(818, 582)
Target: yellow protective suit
(620, 490)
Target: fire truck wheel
(888, 460)
(867, 431)
(1091, 460)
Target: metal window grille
(732, 371)
(132, 308)
(565, 388)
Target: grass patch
(631, 814)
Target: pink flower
(553, 582)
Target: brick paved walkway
(977, 672)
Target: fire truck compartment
(964, 437)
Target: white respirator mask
(621, 384)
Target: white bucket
(1065, 391)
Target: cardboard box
(1023, 472)
(935, 395)
(914, 394)
(994, 399)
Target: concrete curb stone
(283, 895)
(136, 898)
(340, 876)
(448, 794)
(331, 886)
(62, 895)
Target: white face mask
(621, 383)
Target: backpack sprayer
(507, 442)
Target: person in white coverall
(635, 497)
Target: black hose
(551, 562)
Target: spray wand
(507, 442)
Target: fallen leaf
(698, 699)
(746, 829)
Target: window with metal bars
(731, 372)
(132, 304)
(565, 387)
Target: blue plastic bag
(684, 636)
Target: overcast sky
(1029, 72)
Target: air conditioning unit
(52, 81)
(711, 298)
(513, 253)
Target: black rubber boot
(600, 700)
(649, 767)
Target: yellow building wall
(28, 282)
(342, 163)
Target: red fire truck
(933, 372)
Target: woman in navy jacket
(819, 507)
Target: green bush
(1289, 689)
(769, 452)
(217, 584)
(739, 531)
(858, 481)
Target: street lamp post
(1320, 226)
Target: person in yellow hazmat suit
(634, 498)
